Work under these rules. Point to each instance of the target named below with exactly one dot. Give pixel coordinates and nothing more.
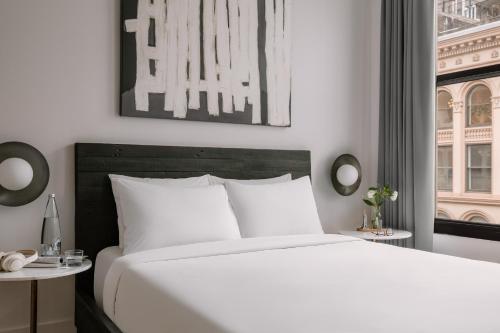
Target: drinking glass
(73, 258)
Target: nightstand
(35, 274)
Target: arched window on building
(445, 110)
(477, 218)
(442, 215)
(479, 106)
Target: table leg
(34, 305)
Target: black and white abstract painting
(207, 60)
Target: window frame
(467, 229)
(450, 167)
(458, 227)
(468, 167)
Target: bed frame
(95, 211)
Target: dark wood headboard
(95, 210)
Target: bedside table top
(29, 274)
(397, 234)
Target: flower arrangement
(375, 198)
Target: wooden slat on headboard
(95, 211)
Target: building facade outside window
(468, 111)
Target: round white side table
(35, 274)
(397, 234)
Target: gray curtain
(406, 128)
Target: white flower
(394, 195)
(371, 194)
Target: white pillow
(156, 216)
(214, 180)
(186, 182)
(275, 209)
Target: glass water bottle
(51, 230)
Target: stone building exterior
(456, 15)
(468, 127)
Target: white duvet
(308, 283)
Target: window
(475, 216)
(444, 110)
(479, 168)
(445, 168)
(470, 12)
(467, 140)
(479, 106)
(443, 215)
(478, 219)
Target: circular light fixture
(346, 174)
(24, 173)
(15, 174)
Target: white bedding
(304, 283)
(103, 263)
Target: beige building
(468, 128)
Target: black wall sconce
(24, 173)
(346, 174)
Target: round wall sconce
(346, 174)
(24, 174)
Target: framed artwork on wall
(207, 60)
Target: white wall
(59, 75)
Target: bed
(295, 283)
(95, 210)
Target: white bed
(301, 283)
(103, 262)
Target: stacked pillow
(275, 209)
(154, 213)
